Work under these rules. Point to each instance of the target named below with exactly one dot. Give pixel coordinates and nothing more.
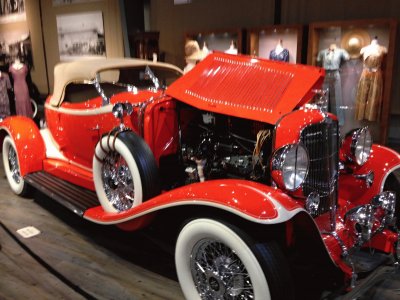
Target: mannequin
(193, 55)
(232, 49)
(331, 60)
(18, 70)
(370, 86)
(279, 53)
(5, 85)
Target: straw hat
(192, 50)
(354, 40)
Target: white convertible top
(84, 70)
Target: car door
(83, 120)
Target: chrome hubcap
(13, 164)
(118, 182)
(218, 272)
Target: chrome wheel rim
(118, 182)
(13, 164)
(218, 273)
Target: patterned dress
(5, 85)
(370, 88)
(23, 105)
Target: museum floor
(74, 259)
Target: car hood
(247, 87)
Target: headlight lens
(290, 166)
(357, 145)
(362, 147)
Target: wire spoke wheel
(118, 181)
(125, 172)
(217, 260)
(13, 165)
(219, 273)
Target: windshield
(132, 78)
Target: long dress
(5, 85)
(370, 88)
(22, 99)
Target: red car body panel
(251, 200)
(247, 87)
(382, 161)
(28, 141)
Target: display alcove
(229, 41)
(262, 42)
(144, 45)
(360, 85)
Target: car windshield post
(153, 77)
(96, 82)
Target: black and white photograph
(81, 35)
(66, 2)
(12, 11)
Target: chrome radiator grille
(321, 141)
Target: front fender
(382, 162)
(252, 201)
(28, 141)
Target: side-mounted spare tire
(125, 171)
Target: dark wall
(134, 15)
(173, 21)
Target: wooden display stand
(352, 36)
(262, 40)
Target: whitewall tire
(124, 172)
(12, 168)
(214, 261)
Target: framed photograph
(65, 2)
(81, 36)
(12, 11)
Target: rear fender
(28, 142)
(382, 162)
(250, 200)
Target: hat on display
(192, 50)
(354, 40)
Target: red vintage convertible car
(270, 196)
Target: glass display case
(358, 59)
(229, 40)
(278, 42)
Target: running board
(73, 197)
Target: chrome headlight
(357, 145)
(289, 166)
